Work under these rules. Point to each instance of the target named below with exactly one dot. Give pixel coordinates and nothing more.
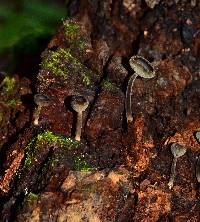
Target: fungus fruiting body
(177, 151)
(41, 100)
(79, 104)
(198, 136)
(142, 68)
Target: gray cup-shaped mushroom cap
(177, 150)
(41, 100)
(142, 67)
(79, 103)
(198, 136)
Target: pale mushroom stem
(37, 115)
(198, 170)
(129, 116)
(173, 173)
(79, 126)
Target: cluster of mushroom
(142, 68)
(78, 103)
(145, 69)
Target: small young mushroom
(177, 151)
(142, 68)
(79, 104)
(41, 100)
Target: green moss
(30, 153)
(71, 29)
(74, 36)
(59, 62)
(32, 197)
(50, 137)
(81, 165)
(81, 44)
(8, 84)
(54, 62)
(12, 103)
(86, 79)
(109, 85)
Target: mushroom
(79, 104)
(177, 151)
(198, 136)
(41, 100)
(142, 68)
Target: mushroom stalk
(177, 151)
(129, 115)
(198, 170)
(37, 115)
(79, 104)
(142, 68)
(173, 173)
(79, 126)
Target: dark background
(26, 26)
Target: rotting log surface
(118, 172)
